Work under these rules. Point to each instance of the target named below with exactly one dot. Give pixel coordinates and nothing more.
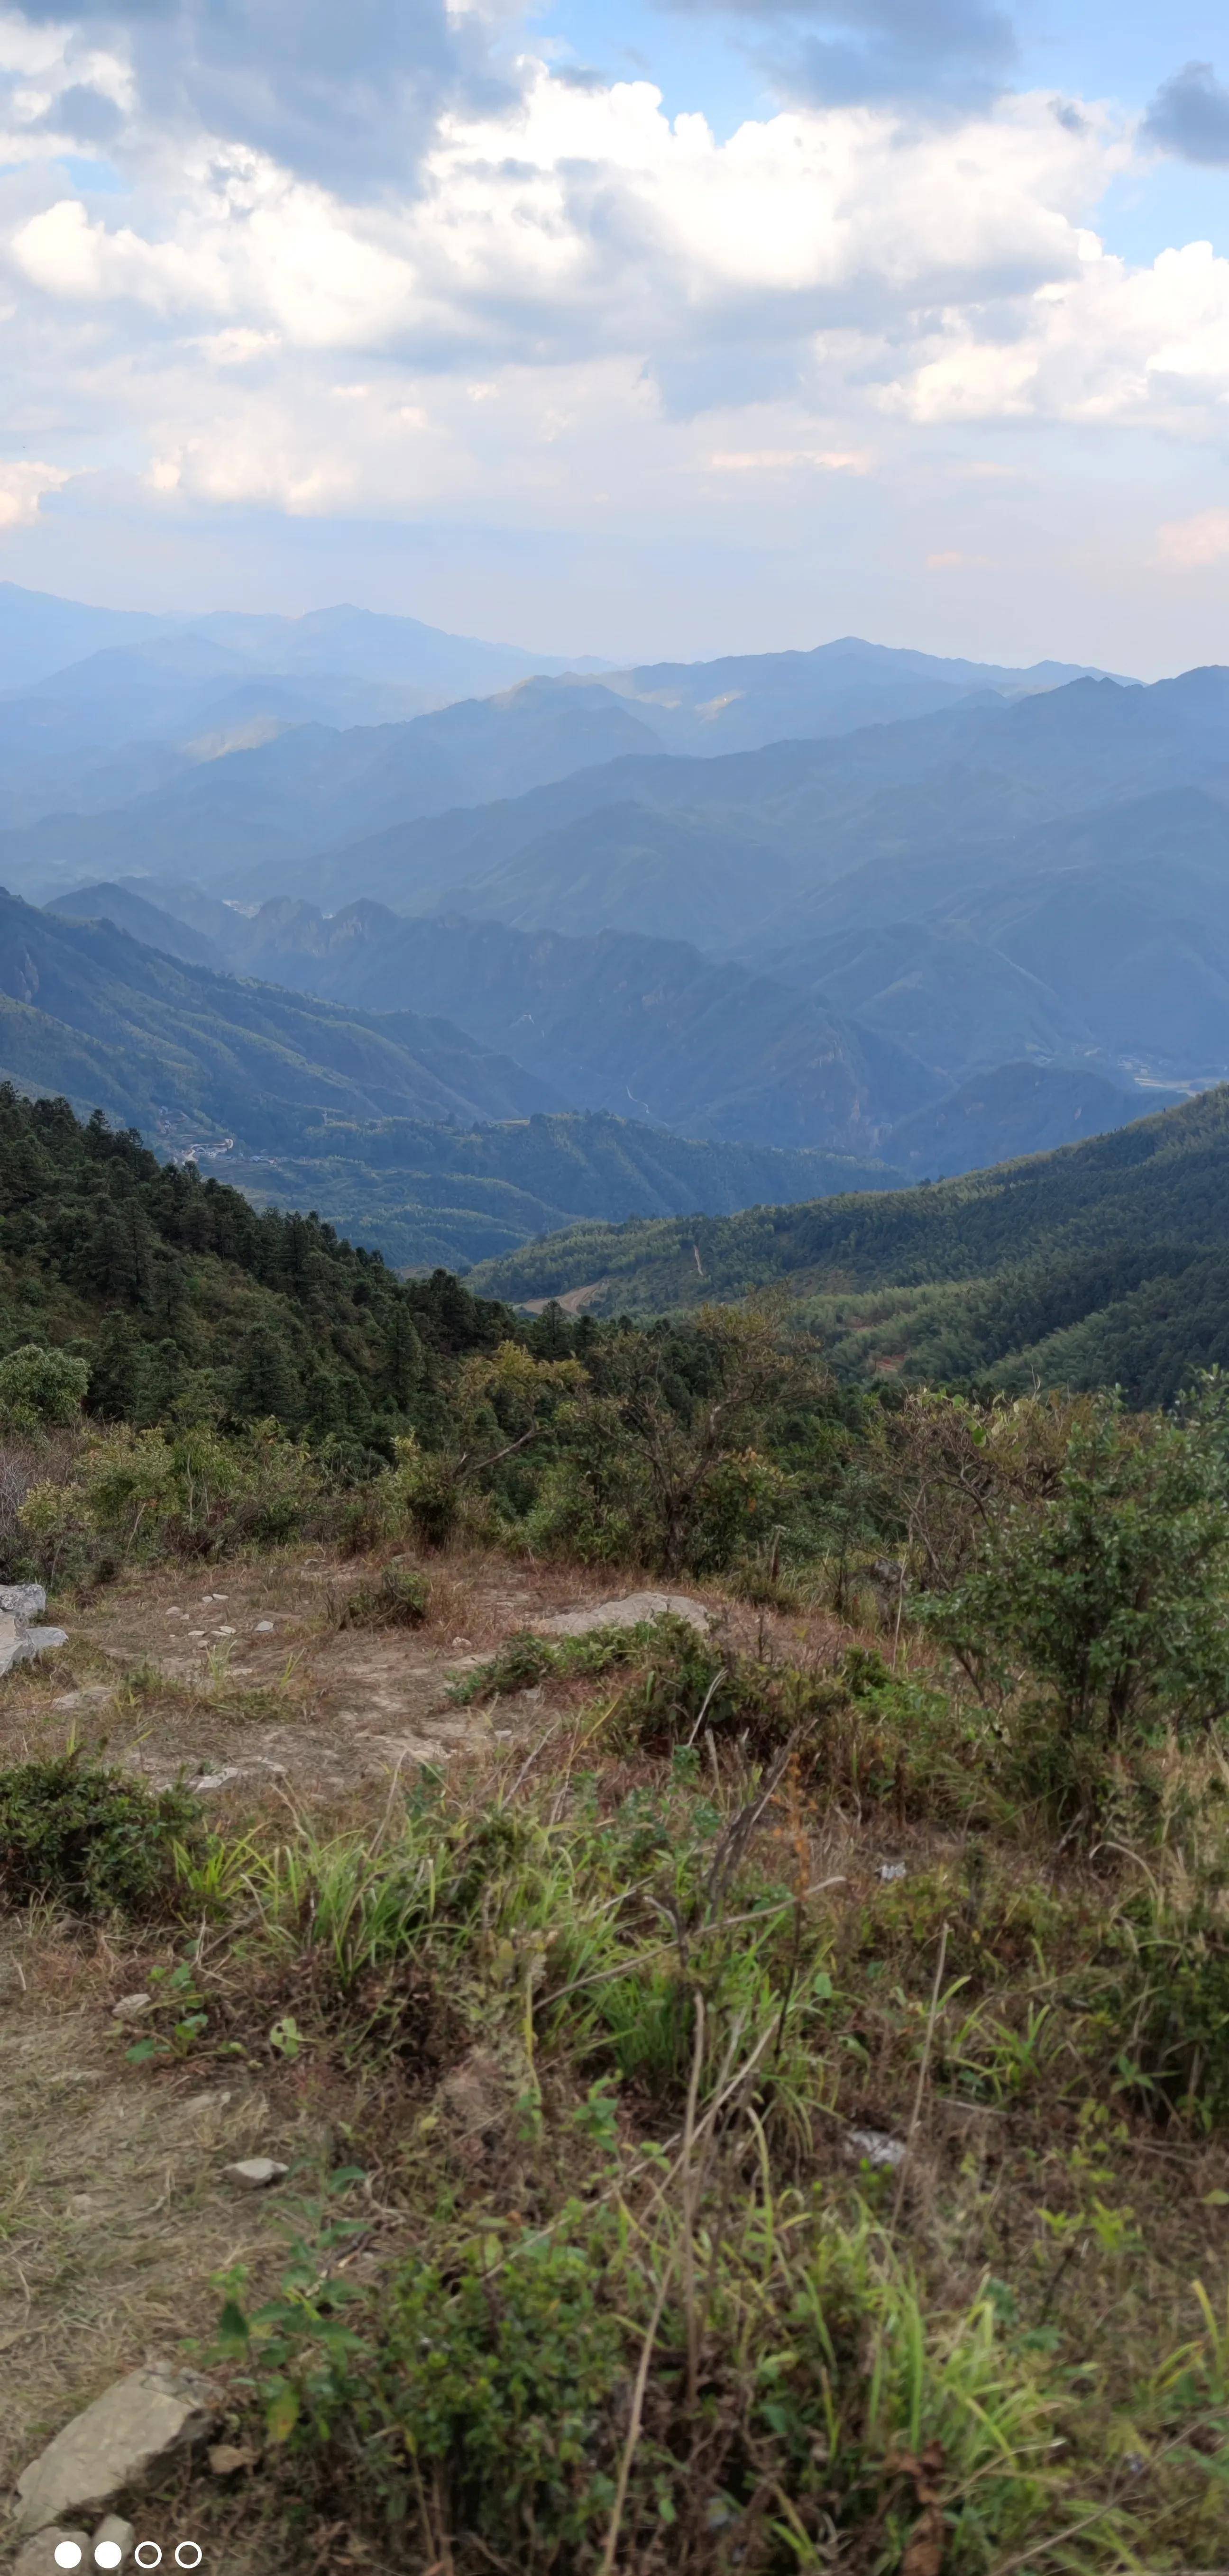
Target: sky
(671, 328)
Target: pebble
(891, 1870)
(263, 1628)
(257, 2172)
(131, 2007)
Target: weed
(398, 1597)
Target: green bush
(91, 1838)
(41, 1388)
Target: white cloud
(1188, 544)
(579, 296)
(22, 488)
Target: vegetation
(433, 1194)
(1101, 1264)
(769, 2103)
(89, 1838)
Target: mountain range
(854, 902)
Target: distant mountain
(175, 1049)
(101, 706)
(234, 799)
(653, 1028)
(1104, 1263)
(1014, 1110)
(250, 819)
(430, 1195)
(747, 699)
(640, 1026)
(40, 634)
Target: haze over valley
(275, 883)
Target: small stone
(257, 2172)
(207, 1780)
(263, 1628)
(140, 2421)
(891, 1870)
(131, 2007)
(227, 2458)
(92, 1696)
(875, 2147)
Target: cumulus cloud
(22, 488)
(346, 92)
(1190, 115)
(572, 301)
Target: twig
(922, 2073)
(689, 2251)
(719, 1676)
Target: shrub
(40, 1388)
(1108, 1593)
(91, 1838)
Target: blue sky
(641, 331)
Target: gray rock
(131, 2007)
(38, 2556)
(628, 1612)
(23, 1600)
(19, 1643)
(257, 2172)
(114, 2444)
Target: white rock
(891, 1870)
(131, 2007)
(875, 2147)
(113, 2533)
(23, 1600)
(628, 1612)
(257, 2172)
(141, 2421)
(263, 1628)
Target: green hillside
(424, 1194)
(89, 1012)
(188, 1304)
(1103, 1263)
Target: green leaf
(281, 2414)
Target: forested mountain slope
(1104, 1262)
(423, 1195)
(180, 1294)
(87, 1011)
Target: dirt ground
(116, 2214)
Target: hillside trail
(248, 1674)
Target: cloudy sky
(637, 329)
